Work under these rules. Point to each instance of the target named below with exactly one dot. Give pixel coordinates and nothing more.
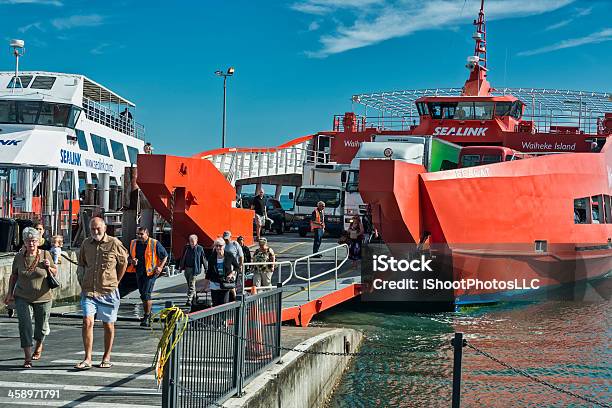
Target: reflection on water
(565, 343)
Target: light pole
(230, 72)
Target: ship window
(470, 160)
(447, 165)
(580, 210)
(596, 210)
(8, 112)
(448, 111)
(517, 109)
(436, 110)
(503, 108)
(491, 158)
(43, 82)
(133, 154)
(81, 139)
(608, 211)
(483, 110)
(465, 111)
(511, 157)
(422, 108)
(28, 112)
(25, 81)
(118, 151)
(99, 145)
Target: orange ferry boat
(546, 216)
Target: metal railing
(309, 278)
(109, 118)
(238, 164)
(222, 349)
(277, 269)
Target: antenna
(477, 83)
(18, 50)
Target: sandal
(105, 364)
(37, 352)
(83, 365)
(27, 364)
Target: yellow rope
(169, 318)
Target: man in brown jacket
(103, 260)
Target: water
(566, 343)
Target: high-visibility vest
(318, 219)
(150, 256)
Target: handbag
(228, 285)
(52, 282)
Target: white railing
(250, 163)
(308, 279)
(277, 267)
(105, 116)
(338, 263)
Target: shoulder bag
(52, 282)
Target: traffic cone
(255, 351)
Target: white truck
(433, 153)
(320, 182)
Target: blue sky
(298, 62)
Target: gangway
(196, 194)
(252, 164)
(308, 290)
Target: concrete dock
(130, 382)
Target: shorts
(260, 220)
(145, 285)
(105, 307)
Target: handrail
(307, 258)
(280, 272)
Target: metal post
(239, 345)
(458, 343)
(278, 321)
(169, 388)
(224, 108)
(308, 268)
(336, 268)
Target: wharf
(130, 382)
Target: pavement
(53, 382)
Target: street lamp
(230, 72)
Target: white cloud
(560, 24)
(99, 49)
(56, 3)
(594, 38)
(377, 20)
(577, 14)
(321, 7)
(314, 26)
(26, 28)
(89, 20)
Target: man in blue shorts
(147, 259)
(102, 262)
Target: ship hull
(504, 221)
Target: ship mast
(477, 84)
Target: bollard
(458, 343)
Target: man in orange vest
(317, 226)
(147, 259)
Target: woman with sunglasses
(221, 274)
(29, 289)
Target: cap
(227, 235)
(239, 238)
(264, 240)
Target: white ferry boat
(65, 141)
